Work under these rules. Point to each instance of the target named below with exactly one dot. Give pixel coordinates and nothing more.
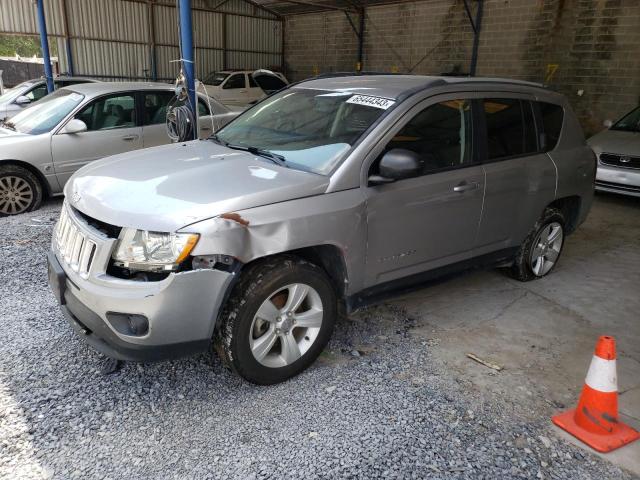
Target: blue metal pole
(42, 26)
(186, 52)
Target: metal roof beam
(270, 11)
(320, 5)
(262, 7)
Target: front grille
(618, 186)
(111, 231)
(616, 160)
(76, 249)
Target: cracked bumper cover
(181, 309)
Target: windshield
(215, 78)
(43, 116)
(629, 123)
(311, 129)
(11, 95)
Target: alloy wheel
(286, 325)
(546, 248)
(16, 194)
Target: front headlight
(153, 251)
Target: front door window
(441, 134)
(110, 112)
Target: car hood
(168, 187)
(616, 141)
(9, 137)
(20, 146)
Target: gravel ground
(376, 405)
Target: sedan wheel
(16, 195)
(546, 249)
(286, 325)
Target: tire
(245, 340)
(538, 256)
(20, 191)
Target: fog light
(129, 323)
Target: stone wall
(587, 49)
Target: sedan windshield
(629, 123)
(310, 129)
(44, 115)
(215, 78)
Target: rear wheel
(277, 321)
(540, 251)
(20, 190)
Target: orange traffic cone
(595, 420)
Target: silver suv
(322, 198)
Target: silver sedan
(618, 151)
(21, 96)
(42, 146)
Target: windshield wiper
(216, 139)
(274, 157)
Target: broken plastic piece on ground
(486, 363)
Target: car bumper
(178, 314)
(618, 180)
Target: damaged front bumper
(128, 319)
(142, 321)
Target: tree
(22, 45)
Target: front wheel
(277, 321)
(540, 251)
(20, 190)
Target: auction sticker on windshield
(371, 101)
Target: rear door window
(203, 109)
(552, 118)
(511, 129)
(155, 107)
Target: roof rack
(459, 77)
(511, 81)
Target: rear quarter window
(552, 116)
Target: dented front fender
(330, 219)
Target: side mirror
(74, 126)
(397, 164)
(607, 123)
(23, 100)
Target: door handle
(464, 187)
(128, 138)
(205, 128)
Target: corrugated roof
(296, 7)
